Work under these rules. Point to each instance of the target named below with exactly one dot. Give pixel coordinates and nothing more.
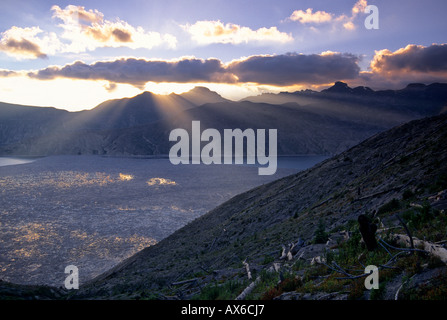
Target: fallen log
(432, 248)
(183, 282)
(248, 289)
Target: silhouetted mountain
(202, 95)
(20, 125)
(412, 102)
(308, 122)
(299, 131)
(338, 87)
(142, 109)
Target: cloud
(412, 58)
(359, 7)
(292, 69)
(139, 71)
(77, 14)
(349, 25)
(111, 87)
(88, 30)
(414, 63)
(287, 69)
(8, 73)
(83, 30)
(28, 43)
(207, 32)
(309, 17)
(320, 17)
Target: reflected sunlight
(125, 177)
(160, 181)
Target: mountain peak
(201, 90)
(144, 94)
(338, 87)
(415, 86)
(200, 95)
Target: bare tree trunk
(248, 290)
(247, 268)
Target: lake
(94, 212)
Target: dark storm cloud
(140, 71)
(294, 68)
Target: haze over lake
(94, 212)
(8, 161)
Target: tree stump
(368, 231)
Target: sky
(76, 54)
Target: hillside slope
(401, 171)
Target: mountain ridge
(326, 122)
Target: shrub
(390, 206)
(408, 194)
(320, 234)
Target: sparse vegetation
(321, 236)
(390, 206)
(227, 291)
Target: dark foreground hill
(298, 236)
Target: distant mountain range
(308, 122)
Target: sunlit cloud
(88, 30)
(29, 43)
(323, 17)
(207, 32)
(349, 25)
(412, 58)
(77, 14)
(359, 7)
(414, 63)
(311, 17)
(83, 30)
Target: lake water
(94, 212)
